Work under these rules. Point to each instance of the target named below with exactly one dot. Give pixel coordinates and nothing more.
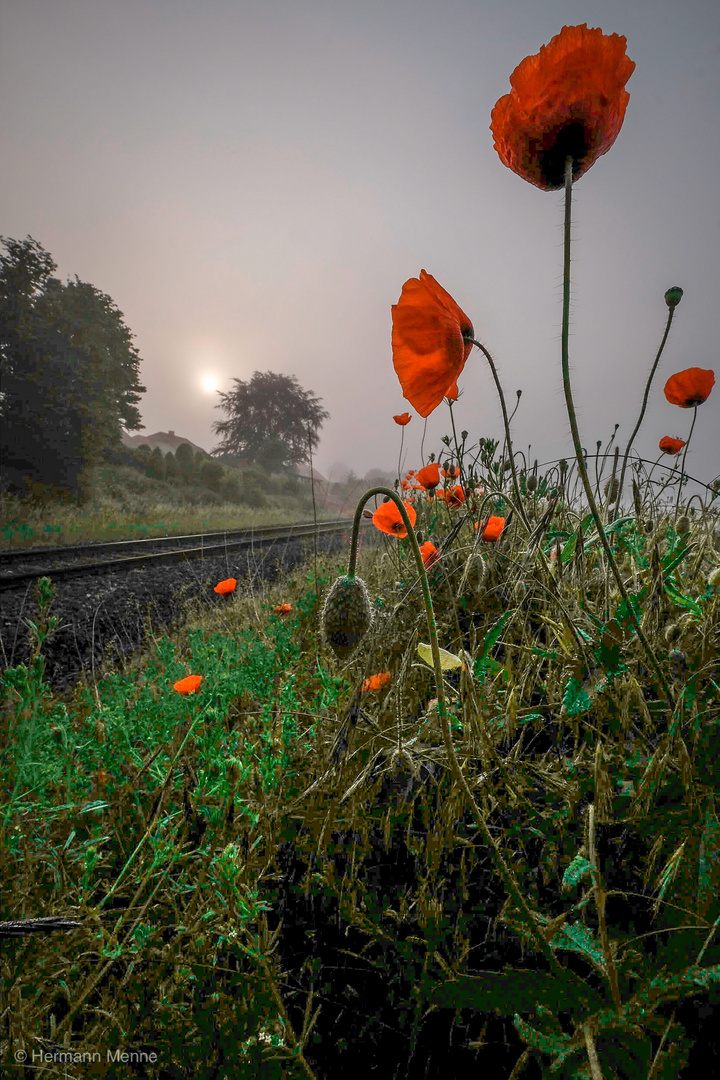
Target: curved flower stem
(578, 447)
(671, 312)
(516, 486)
(682, 467)
(506, 873)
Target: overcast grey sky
(252, 181)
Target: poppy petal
(568, 99)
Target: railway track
(82, 560)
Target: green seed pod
(347, 615)
(673, 296)
(531, 483)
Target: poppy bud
(611, 489)
(531, 483)
(347, 615)
(683, 526)
(673, 296)
(672, 633)
(714, 577)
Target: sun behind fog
(209, 383)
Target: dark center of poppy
(571, 139)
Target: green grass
(124, 504)
(158, 820)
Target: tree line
(70, 385)
(69, 373)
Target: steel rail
(231, 542)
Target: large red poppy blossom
(429, 477)
(668, 445)
(567, 100)
(388, 519)
(403, 419)
(689, 387)
(430, 342)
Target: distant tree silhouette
(185, 461)
(272, 421)
(68, 372)
(156, 465)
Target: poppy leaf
(448, 660)
(578, 869)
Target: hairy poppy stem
(516, 486)
(506, 873)
(682, 466)
(631, 440)
(576, 438)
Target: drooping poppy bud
(347, 615)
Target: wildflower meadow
(445, 805)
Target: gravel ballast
(107, 617)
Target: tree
(272, 421)
(156, 465)
(185, 461)
(69, 370)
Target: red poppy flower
(188, 685)
(452, 392)
(568, 99)
(403, 419)
(493, 529)
(429, 477)
(429, 341)
(455, 496)
(689, 387)
(668, 445)
(388, 519)
(223, 588)
(376, 682)
(429, 553)
(283, 609)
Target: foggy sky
(252, 181)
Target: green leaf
(577, 938)
(682, 600)
(547, 1043)
(569, 549)
(576, 700)
(578, 869)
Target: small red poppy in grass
(689, 387)
(189, 685)
(452, 473)
(224, 588)
(668, 445)
(494, 528)
(567, 100)
(283, 609)
(455, 496)
(403, 419)
(388, 518)
(429, 476)
(376, 682)
(430, 342)
(430, 553)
